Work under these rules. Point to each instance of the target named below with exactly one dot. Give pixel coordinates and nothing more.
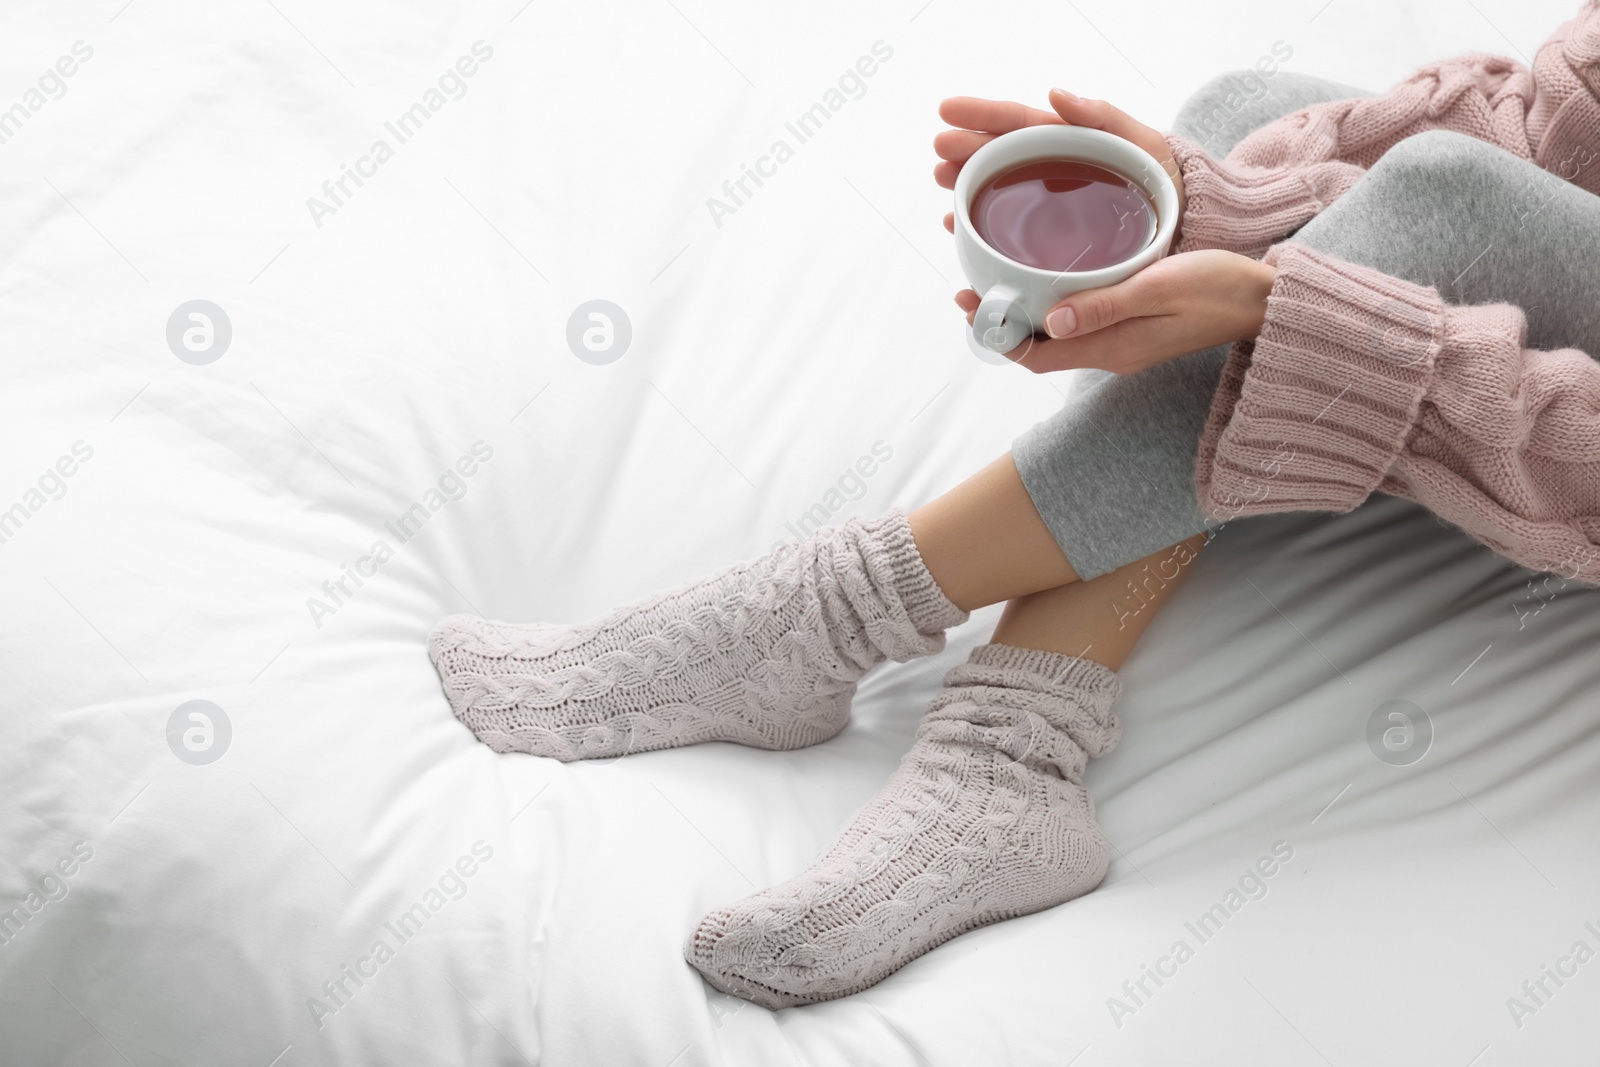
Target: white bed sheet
(207, 905)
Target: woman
(1348, 372)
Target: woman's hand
(977, 122)
(1174, 306)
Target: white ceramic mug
(1016, 296)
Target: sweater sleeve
(1287, 171)
(1360, 382)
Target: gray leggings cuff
(1110, 496)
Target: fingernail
(1064, 93)
(1061, 322)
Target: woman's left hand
(1175, 306)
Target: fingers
(1043, 356)
(1101, 115)
(1118, 348)
(950, 221)
(992, 116)
(1094, 113)
(1111, 347)
(968, 301)
(979, 121)
(1087, 312)
(958, 145)
(1096, 309)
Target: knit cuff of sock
(1055, 670)
(1066, 693)
(931, 612)
(1245, 209)
(1313, 413)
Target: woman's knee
(1227, 107)
(1230, 90)
(1478, 224)
(1436, 162)
(1417, 208)
(1212, 111)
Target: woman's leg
(766, 653)
(1479, 225)
(1103, 618)
(986, 817)
(984, 541)
(1234, 104)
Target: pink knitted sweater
(1359, 381)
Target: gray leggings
(1112, 472)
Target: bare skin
(1100, 619)
(984, 543)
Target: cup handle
(1000, 323)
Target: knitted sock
(766, 654)
(986, 818)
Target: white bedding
(191, 913)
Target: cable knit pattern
(1564, 122)
(765, 654)
(1359, 382)
(985, 819)
(1283, 174)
